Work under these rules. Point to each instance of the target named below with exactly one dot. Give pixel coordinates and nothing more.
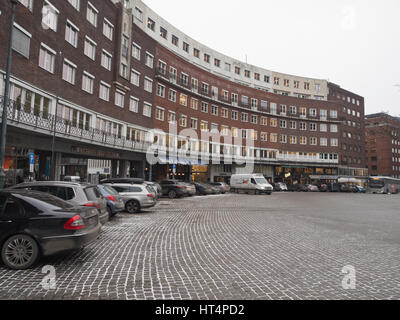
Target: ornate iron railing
(18, 115)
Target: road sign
(31, 158)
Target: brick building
(119, 77)
(383, 145)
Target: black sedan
(35, 223)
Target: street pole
(6, 102)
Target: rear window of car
(111, 191)
(65, 193)
(92, 193)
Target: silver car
(82, 194)
(136, 196)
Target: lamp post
(5, 101)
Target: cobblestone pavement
(284, 246)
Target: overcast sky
(353, 43)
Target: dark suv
(82, 194)
(173, 189)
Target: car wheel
(133, 206)
(110, 214)
(20, 252)
(172, 194)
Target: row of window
(217, 62)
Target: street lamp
(6, 102)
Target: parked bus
(383, 185)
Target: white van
(250, 183)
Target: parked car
(82, 194)
(214, 189)
(115, 203)
(303, 188)
(361, 189)
(280, 186)
(173, 189)
(223, 187)
(312, 188)
(135, 197)
(190, 188)
(293, 187)
(323, 187)
(156, 187)
(203, 189)
(345, 188)
(35, 223)
(250, 183)
(123, 180)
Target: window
(313, 112)
(204, 88)
(245, 101)
(264, 136)
(193, 123)
(306, 86)
(244, 117)
(264, 121)
(273, 137)
(227, 67)
(87, 82)
(160, 113)
(106, 60)
(135, 78)
(303, 140)
(184, 79)
(296, 84)
(235, 132)
(183, 121)
(151, 24)
(237, 70)
(175, 40)
(293, 140)
(71, 34)
(323, 114)
(257, 76)
(313, 127)
(162, 67)
(27, 3)
(138, 14)
(235, 115)
(266, 79)
(283, 138)
(108, 29)
(276, 81)
(217, 63)
(334, 128)
(104, 91)
(313, 141)
(214, 110)
(183, 99)
(334, 142)
(282, 109)
(148, 84)
(323, 127)
(195, 85)
(90, 48)
(286, 82)
(247, 73)
(282, 124)
(171, 117)
(323, 142)
(333, 114)
(92, 13)
(273, 122)
(204, 107)
(292, 110)
(172, 95)
(303, 112)
(21, 40)
(185, 46)
(273, 108)
(293, 125)
(134, 104)
(173, 73)
(224, 113)
(147, 109)
(196, 52)
(194, 104)
(235, 99)
(207, 58)
(160, 90)
(303, 126)
(69, 71)
(50, 16)
(136, 51)
(254, 119)
(149, 60)
(254, 104)
(204, 126)
(47, 58)
(163, 33)
(119, 98)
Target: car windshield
(261, 181)
(376, 184)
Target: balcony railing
(18, 116)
